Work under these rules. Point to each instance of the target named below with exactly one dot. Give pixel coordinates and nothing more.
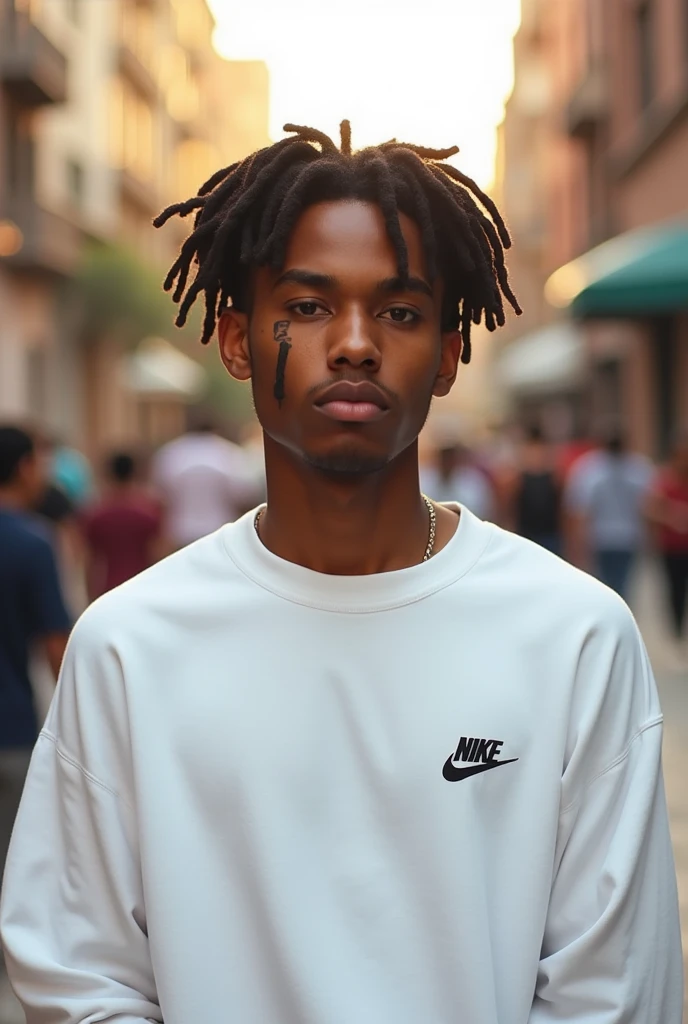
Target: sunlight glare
(430, 72)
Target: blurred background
(573, 114)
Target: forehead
(346, 236)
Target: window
(75, 182)
(138, 33)
(132, 130)
(646, 57)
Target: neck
(347, 527)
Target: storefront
(631, 297)
(543, 372)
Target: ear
(452, 344)
(232, 331)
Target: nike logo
(454, 774)
(482, 753)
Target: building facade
(611, 154)
(108, 112)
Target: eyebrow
(390, 284)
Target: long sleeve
(612, 946)
(72, 918)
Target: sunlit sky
(434, 72)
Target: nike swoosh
(454, 774)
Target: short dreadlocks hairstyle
(245, 213)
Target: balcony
(32, 70)
(135, 71)
(47, 242)
(588, 105)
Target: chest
(346, 725)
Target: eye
(401, 315)
(307, 308)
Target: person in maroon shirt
(667, 511)
(122, 531)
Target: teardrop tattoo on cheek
(280, 329)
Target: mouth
(353, 403)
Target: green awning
(637, 273)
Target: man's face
(336, 316)
(32, 475)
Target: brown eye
(400, 315)
(306, 308)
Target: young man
(122, 531)
(32, 612)
(356, 757)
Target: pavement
(648, 603)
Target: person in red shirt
(668, 513)
(122, 531)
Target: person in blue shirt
(32, 611)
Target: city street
(673, 689)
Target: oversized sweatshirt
(265, 795)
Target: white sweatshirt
(265, 795)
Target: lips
(353, 403)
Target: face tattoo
(280, 335)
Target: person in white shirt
(605, 498)
(357, 757)
(205, 481)
(455, 477)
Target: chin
(351, 462)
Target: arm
(575, 518)
(73, 917)
(661, 511)
(54, 645)
(51, 620)
(612, 949)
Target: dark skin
(344, 497)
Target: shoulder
(162, 603)
(33, 536)
(585, 469)
(230, 453)
(547, 590)
(643, 468)
(169, 453)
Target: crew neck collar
(356, 594)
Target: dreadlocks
(245, 213)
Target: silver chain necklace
(431, 532)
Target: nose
(352, 343)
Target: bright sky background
(433, 72)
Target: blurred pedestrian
(454, 477)
(667, 511)
(534, 500)
(71, 471)
(122, 532)
(205, 481)
(605, 497)
(32, 611)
